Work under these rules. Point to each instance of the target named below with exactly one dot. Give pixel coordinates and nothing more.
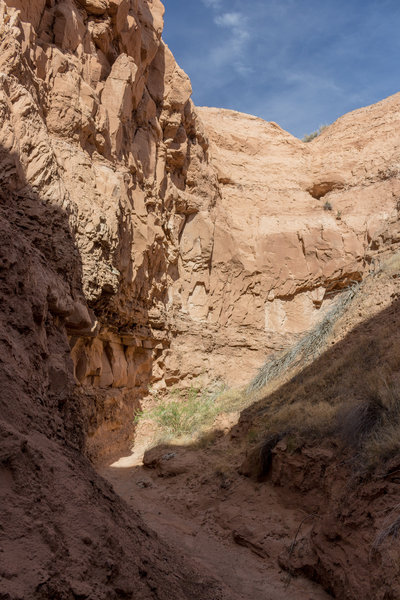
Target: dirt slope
(233, 529)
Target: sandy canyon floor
(231, 528)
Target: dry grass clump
(314, 134)
(308, 348)
(311, 419)
(351, 392)
(391, 528)
(189, 414)
(382, 441)
(347, 401)
(383, 444)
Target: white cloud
(310, 81)
(233, 50)
(297, 63)
(233, 20)
(215, 4)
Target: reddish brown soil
(312, 528)
(233, 528)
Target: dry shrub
(356, 421)
(308, 348)
(351, 389)
(383, 444)
(372, 425)
(383, 441)
(391, 528)
(309, 419)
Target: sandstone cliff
(280, 255)
(97, 120)
(98, 145)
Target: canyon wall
(97, 121)
(296, 223)
(135, 252)
(191, 259)
(75, 188)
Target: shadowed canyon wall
(66, 224)
(100, 119)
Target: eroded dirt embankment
(233, 529)
(309, 528)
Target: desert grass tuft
(308, 348)
(190, 413)
(314, 134)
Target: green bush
(190, 412)
(184, 412)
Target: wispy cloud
(233, 50)
(233, 20)
(300, 64)
(215, 4)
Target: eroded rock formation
(97, 120)
(279, 257)
(77, 179)
(191, 259)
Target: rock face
(190, 260)
(85, 169)
(98, 119)
(279, 257)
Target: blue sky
(301, 63)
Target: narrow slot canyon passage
(212, 516)
(205, 271)
(231, 528)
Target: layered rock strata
(188, 264)
(135, 254)
(77, 181)
(296, 223)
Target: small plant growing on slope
(328, 205)
(311, 136)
